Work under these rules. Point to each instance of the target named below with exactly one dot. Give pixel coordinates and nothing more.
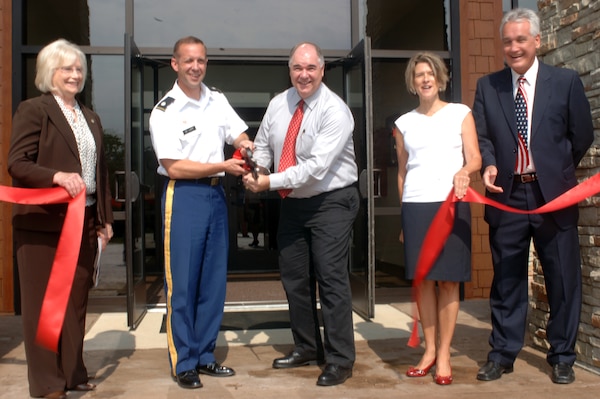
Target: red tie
(288, 153)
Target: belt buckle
(214, 181)
(528, 178)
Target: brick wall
(6, 263)
(480, 55)
(570, 34)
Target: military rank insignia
(162, 106)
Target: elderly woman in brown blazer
(56, 141)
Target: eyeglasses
(70, 70)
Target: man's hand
(262, 183)
(489, 178)
(234, 166)
(246, 144)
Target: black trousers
(558, 251)
(314, 241)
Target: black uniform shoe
(188, 379)
(294, 359)
(562, 373)
(333, 375)
(492, 371)
(216, 370)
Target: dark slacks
(558, 251)
(49, 371)
(314, 240)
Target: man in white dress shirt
(316, 216)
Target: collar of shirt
(181, 99)
(530, 79)
(311, 101)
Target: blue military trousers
(196, 245)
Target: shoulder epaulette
(165, 103)
(215, 89)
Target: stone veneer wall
(570, 32)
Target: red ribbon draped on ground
(53, 310)
(442, 223)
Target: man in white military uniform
(189, 128)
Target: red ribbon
(54, 306)
(442, 223)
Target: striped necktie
(523, 160)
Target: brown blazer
(43, 143)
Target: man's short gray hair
(520, 15)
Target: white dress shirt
(324, 147)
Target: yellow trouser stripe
(168, 275)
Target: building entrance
(249, 85)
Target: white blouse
(435, 152)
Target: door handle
(121, 186)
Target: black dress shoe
(562, 373)
(492, 371)
(215, 370)
(293, 359)
(333, 375)
(188, 379)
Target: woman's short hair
(437, 64)
(55, 55)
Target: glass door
(135, 240)
(358, 96)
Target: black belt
(209, 181)
(526, 177)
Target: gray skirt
(454, 262)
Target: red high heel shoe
(443, 379)
(415, 372)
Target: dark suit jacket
(43, 143)
(561, 129)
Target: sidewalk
(133, 364)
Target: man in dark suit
(530, 148)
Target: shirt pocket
(189, 135)
(305, 142)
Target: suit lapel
(542, 98)
(507, 101)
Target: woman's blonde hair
(437, 64)
(55, 55)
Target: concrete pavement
(133, 364)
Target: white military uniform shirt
(184, 128)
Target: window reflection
(408, 24)
(531, 4)
(91, 22)
(243, 23)
(106, 91)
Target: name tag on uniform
(189, 130)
